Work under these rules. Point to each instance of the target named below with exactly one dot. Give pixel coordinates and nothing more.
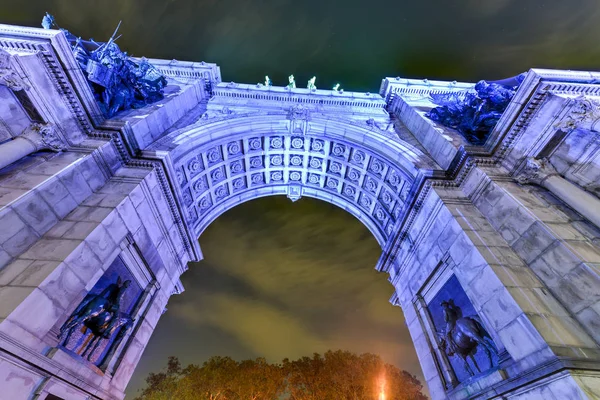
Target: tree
(257, 380)
(212, 381)
(336, 375)
(342, 375)
(306, 378)
(163, 385)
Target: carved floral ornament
(299, 112)
(536, 172)
(8, 77)
(4, 59)
(584, 110)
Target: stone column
(542, 173)
(35, 138)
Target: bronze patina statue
(118, 81)
(474, 113)
(463, 335)
(100, 314)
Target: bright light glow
(382, 388)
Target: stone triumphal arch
(490, 237)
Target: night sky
(284, 279)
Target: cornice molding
(50, 48)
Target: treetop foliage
(336, 375)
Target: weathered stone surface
(11, 297)
(20, 241)
(84, 263)
(51, 249)
(16, 381)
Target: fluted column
(542, 173)
(35, 138)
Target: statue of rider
(108, 300)
(451, 314)
(116, 296)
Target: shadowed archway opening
(282, 279)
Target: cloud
(259, 326)
(279, 282)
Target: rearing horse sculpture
(463, 335)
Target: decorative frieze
(583, 110)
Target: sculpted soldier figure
(451, 314)
(463, 335)
(118, 81)
(97, 312)
(292, 82)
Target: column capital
(536, 171)
(43, 137)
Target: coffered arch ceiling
(223, 163)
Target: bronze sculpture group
(474, 113)
(119, 82)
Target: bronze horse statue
(103, 327)
(463, 335)
(97, 312)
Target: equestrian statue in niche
(101, 314)
(463, 336)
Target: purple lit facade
(508, 226)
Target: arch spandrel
(231, 160)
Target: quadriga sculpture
(118, 82)
(474, 113)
